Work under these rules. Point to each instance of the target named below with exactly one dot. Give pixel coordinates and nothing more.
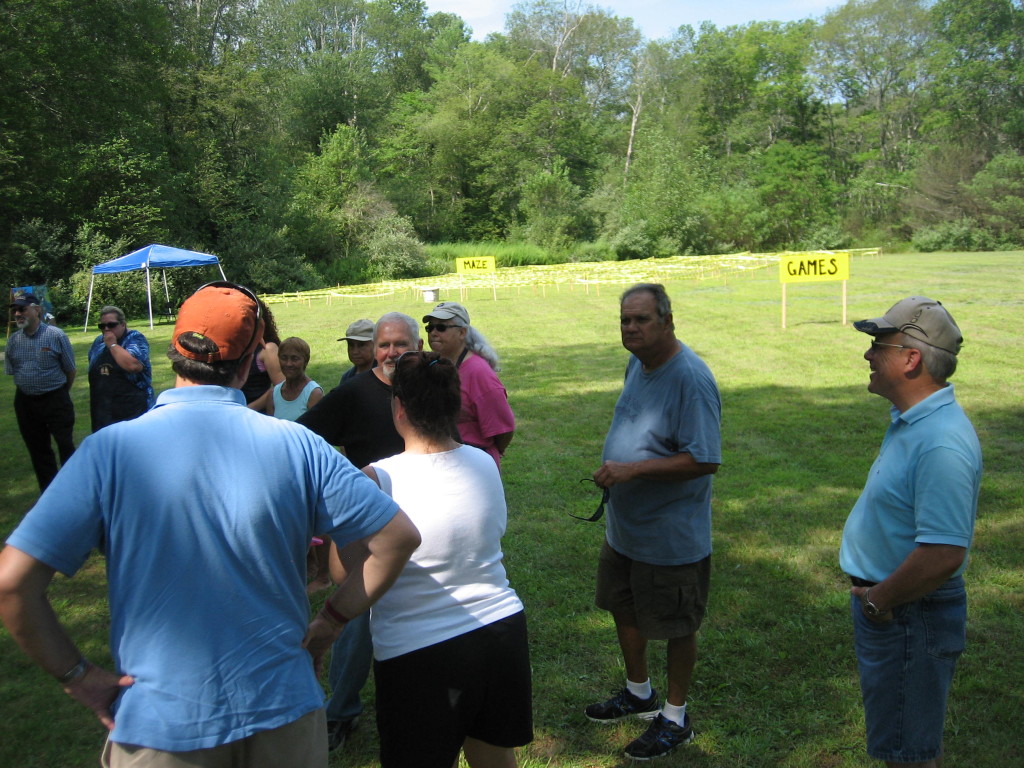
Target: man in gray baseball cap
(920, 318)
(905, 543)
(359, 339)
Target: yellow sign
(814, 266)
(475, 264)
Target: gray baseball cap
(360, 330)
(448, 310)
(920, 318)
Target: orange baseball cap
(225, 313)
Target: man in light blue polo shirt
(906, 540)
(204, 511)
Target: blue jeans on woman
(351, 656)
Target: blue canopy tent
(151, 257)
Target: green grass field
(776, 682)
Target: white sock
(640, 690)
(676, 714)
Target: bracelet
(334, 614)
(74, 674)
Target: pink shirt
(485, 409)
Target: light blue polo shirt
(204, 510)
(922, 489)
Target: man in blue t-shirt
(205, 542)
(905, 542)
(653, 573)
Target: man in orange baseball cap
(204, 510)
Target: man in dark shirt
(357, 416)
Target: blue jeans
(906, 669)
(351, 656)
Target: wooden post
(783, 305)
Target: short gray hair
(939, 363)
(398, 317)
(662, 302)
(112, 310)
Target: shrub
(960, 235)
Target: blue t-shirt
(674, 409)
(204, 510)
(922, 489)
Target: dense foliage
(315, 141)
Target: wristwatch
(74, 674)
(870, 608)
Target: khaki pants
(299, 744)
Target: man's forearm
(924, 570)
(680, 466)
(27, 613)
(125, 359)
(383, 557)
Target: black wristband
(75, 673)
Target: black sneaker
(338, 732)
(660, 738)
(622, 705)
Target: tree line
(312, 142)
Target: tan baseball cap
(360, 330)
(920, 318)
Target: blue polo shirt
(204, 510)
(922, 489)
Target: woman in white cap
(486, 420)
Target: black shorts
(667, 601)
(476, 685)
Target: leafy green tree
(996, 198)
(979, 65)
(550, 206)
(797, 193)
(872, 55)
(458, 155)
(755, 87)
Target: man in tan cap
(359, 341)
(215, 658)
(906, 540)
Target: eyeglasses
(108, 326)
(879, 346)
(605, 495)
(441, 327)
(18, 310)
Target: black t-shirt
(357, 416)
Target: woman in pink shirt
(486, 420)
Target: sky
(656, 19)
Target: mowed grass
(776, 681)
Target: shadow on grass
(776, 681)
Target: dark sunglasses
(600, 507)
(108, 326)
(440, 327)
